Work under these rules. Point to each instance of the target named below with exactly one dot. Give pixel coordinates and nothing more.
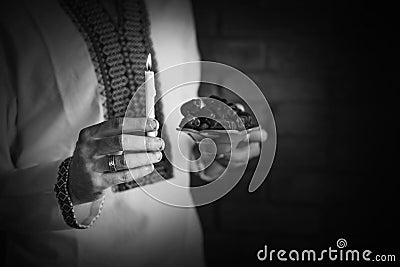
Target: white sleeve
(27, 199)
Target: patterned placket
(119, 53)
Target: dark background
(327, 69)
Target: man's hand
(245, 150)
(134, 156)
(236, 156)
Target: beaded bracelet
(64, 199)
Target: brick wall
(313, 62)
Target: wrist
(65, 202)
(209, 173)
(212, 172)
(216, 169)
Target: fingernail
(264, 136)
(153, 124)
(161, 144)
(159, 156)
(150, 168)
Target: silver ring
(111, 163)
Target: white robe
(48, 94)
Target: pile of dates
(215, 113)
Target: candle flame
(148, 62)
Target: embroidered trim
(64, 199)
(119, 56)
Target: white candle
(150, 92)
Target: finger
(255, 150)
(113, 178)
(128, 161)
(119, 125)
(224, 148)
(127, 142)
(212, 147)
(132, 125)
(224, 151)
(257, 136)
(244, 154)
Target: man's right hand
(90, 173)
